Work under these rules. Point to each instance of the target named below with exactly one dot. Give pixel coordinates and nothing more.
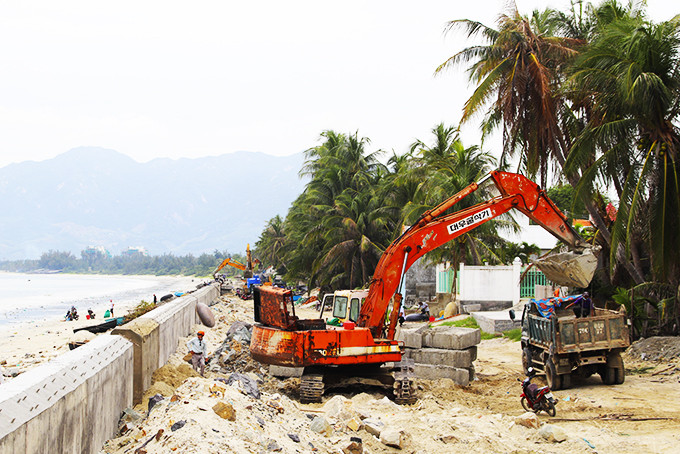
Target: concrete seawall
(155, 334)
(73, 403)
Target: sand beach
(27, 344)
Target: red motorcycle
(536, 399)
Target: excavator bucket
(570, 269)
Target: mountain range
(92, 196)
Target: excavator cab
(346, 304)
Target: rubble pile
(233, 415)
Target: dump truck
(563, 345)
(363, 351)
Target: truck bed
(568, 334)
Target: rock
(153, 400)
(339, 408)
(374, 426)
(552, 433)
(320, 425)
(273, 446)
(240, 331)
(225, 411)
(178, 425)
(392, 437)
(130, 415)
(354, 424)
(276, 405)
(451, 309)
(247, 385)
(528, 419)
(355, 446)
(294, 437)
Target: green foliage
(142, 308)
(166, 264)
(564, 197)
(591, 96)
(514, 334)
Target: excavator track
(403, 383)
(311, 388)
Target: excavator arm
(434, 228)
(231, 262)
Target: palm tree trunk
(594, 213)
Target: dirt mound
(173, 376)
(658, 348)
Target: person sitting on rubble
(424, 308)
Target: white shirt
(197, 346)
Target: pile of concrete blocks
(441, 351)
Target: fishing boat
(100, 328)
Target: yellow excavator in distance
(247, 269)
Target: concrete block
(496, 321)
(451, 337)
(440, 356)
(411, 335)
(283, 371)
(459, 376)
(476, 306)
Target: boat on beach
(100, 328)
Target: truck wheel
(566, 380)
(526, 360)
(551, 375)
(613, 369)
(616, 362)
(620, 376)
(608, 375)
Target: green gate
(446, 280)
(531, 279)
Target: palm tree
(517, 73)
(339, 224)
(630, 72)
(271, 245)
(445, 168)
(520, 73)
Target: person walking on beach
(198, 349)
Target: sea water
(34, 297)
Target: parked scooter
(536, 399)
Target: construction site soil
(239, 407)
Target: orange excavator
(351, 354)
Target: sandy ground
(28, 344)
(641, 415)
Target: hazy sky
(190, 79)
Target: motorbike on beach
(536, 399)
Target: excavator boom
(230, 262)
(435, 228)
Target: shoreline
(29, 343)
